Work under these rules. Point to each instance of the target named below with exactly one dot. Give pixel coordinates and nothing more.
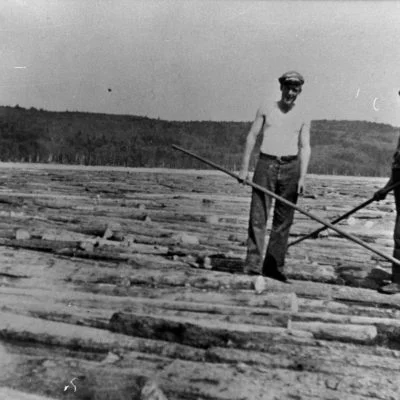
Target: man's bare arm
(255, 129)
(381, 194)
(304, 154)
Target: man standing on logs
(393, 287)
(281, 168)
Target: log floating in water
(200, 333)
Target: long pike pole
(342, 217)
(290, 204)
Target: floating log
(365, 334)
(200, 333)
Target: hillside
(352, 147)
(31, 135)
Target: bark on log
(203, 334)
(27, 329)
(17, 328)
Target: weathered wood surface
(130, 281)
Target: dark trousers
(280, 177)
(396, 233)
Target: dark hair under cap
(292, 77)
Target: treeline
(31, 135)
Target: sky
(201, 60)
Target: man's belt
(278, 158)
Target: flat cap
(292, 77)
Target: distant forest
(31, 135)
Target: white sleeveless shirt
(281, 131)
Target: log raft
(127, 284)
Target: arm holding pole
(382, 193)
(386, 189)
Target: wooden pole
(342, 217)
(290, 204)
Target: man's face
(290, 93)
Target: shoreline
(207, 172)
